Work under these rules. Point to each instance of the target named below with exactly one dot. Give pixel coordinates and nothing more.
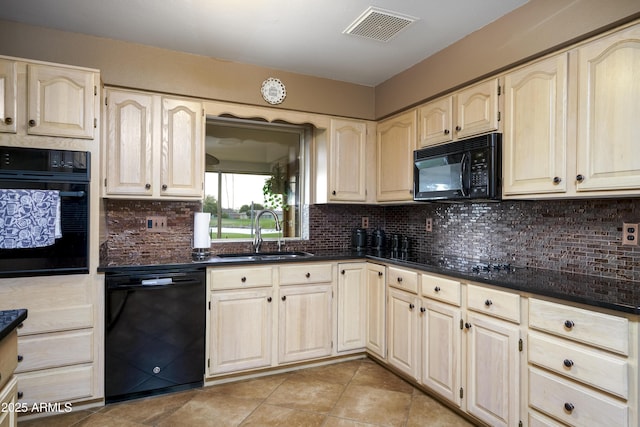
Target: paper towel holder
(202, 244)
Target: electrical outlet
(428, 226)
(365, 222)
(156, 223)
(629, 234)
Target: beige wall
(143, 67)
(538, 26)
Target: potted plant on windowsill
(275, 189)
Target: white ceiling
(300, 36)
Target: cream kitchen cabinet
(240, 319)
(60, 100)
(396, 142)
(535, 129)
(470, 111)
(8, 382)
(403, 307)
(352, 309)
(441, 336)
(493, 356)
(581, 365)
(154, 146)
(376, 333)
(348, 161)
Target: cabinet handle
(284, 298)
(342, 272)
(488, 303)
(568, 363)
(446, 132)
(568, 407)
(380, 273)
(269, 299)
(458, 128)
(32, 123)
(147, 186)
(333, 193)
(164, 186)
(467, 325)
(580, 178)
(422, 309)
(20, 395)
(8, 121)
(437, 289)
(20, 358)
(557, 180)
(399, 279)
(411, 306)
(307, 275)
(243, 279)
(569, 324)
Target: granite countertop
(613, 294)
(10, 319)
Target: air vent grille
(379, 24)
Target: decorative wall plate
(273, 91)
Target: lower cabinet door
(352, 315)
(240, 330)
(305, 322)
(8, 414)
(403, 331)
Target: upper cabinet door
(435, 122)
(347, 175)
(477, 109)
(8, 87)
(182, 154)
(608, 112)
(129, 143)
(396, 143)
(535, 128)
(61, 102)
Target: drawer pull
(488, 303)
(422, 309)
(380, 273)
(399, 279)
(411, 306)
(307, 275)
(437, 289)
(243, 279)
(20, 358)
(269, 299)
(569, 407)
(32, 123)
(20, 395)
(467, 325)
(569, 324)
(568, 363)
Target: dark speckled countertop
(613, 294)
(10, 319)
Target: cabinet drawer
(8, 360)
(54, 350)
(592, 367)
(403, 279)
(494, 303)
(588, 327)
(574, 404)
(441, 289)
(241, 277)
(56, 385)
(539, 420)
(306, 273)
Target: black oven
(461, 170)
(67, 174)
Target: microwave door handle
(463, 163)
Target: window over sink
(250, 166)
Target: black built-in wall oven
(68, 173)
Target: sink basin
(265, 256)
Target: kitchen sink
(265, 256)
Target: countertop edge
(11, 319)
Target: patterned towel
(28, 218)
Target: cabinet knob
(20, 358)
(458, 128)
(557, 180)
(380, 274)
(399, 279)
(243, 279)
(446, 131)
(20, 395)
(569, 324)
(8, 120)
(342, 272)
(568, 363)
(569, 407)
(269, 299)
(422, 309)
(579, 177)
(411, 306)
(147, 186)
(467, 325)
(333, 193)
(488, 303)
(164, 186)
(32, 123)
(437, 289)
(307, 275)
(284, 298)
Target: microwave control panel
(479, 173)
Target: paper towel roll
(201, 237)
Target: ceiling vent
(379, 24)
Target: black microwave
(461, 170)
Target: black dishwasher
(154, 332)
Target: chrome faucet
(257, 239)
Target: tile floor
(349, 394)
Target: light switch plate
(156, 223)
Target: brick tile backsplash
(577, 236)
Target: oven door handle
(463, 168)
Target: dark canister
(378, 240)
(359, 239)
